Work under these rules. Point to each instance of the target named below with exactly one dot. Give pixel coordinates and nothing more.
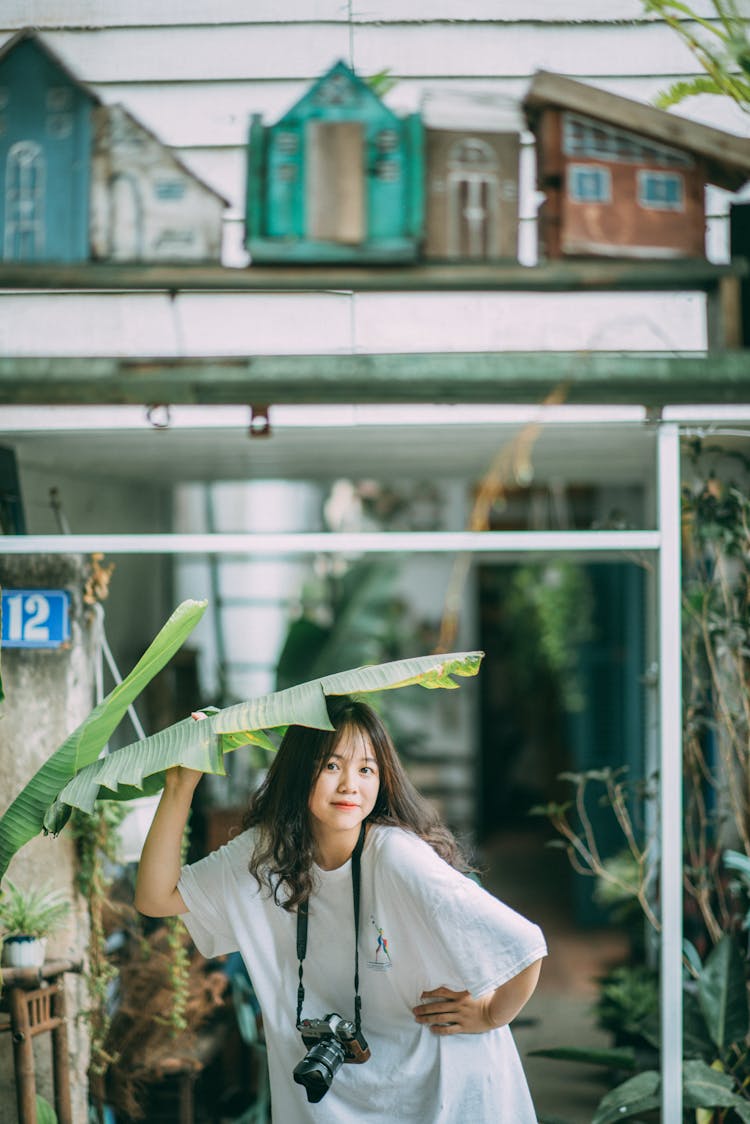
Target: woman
(442, 966)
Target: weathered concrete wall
(47, 694)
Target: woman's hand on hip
(454, 1012)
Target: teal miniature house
(45, 155)
(338, 179)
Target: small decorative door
(472, 182)
(335, 182)
(25, 187)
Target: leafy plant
(382, 82)
(30, 812)
(557, 601)
(96, 840)
(716, 1070)
(179, 962)
(35, 912)
(201, 744)
(348, 617)
(45, 1113)
(716, 691)
(628, 998)
(720, 45)
(630, 875)
(716, 744)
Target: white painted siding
(194, 73)
(268, 51)
(144, 13)
(152, 324)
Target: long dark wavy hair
(284, 851)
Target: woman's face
(347, 787)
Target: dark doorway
(561, 690)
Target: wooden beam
(724, 315)
(651, 379)
(562, 276)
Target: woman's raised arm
(156, 892)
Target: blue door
(45, 157)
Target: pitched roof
(168, 152)
(727, 156)
(351, 76)
(28, 33)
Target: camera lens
(318, 1068)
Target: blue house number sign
(35, 618)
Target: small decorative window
(337, 89)
(60, 125)
(387, 170)
(169, 189)
(589, 183)
(583, 136)
(59, 99)
(287, 143)
(661, 191)
(387, 140)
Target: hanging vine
(179, 963)
(96, 840)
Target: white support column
(670, 724)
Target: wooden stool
(34, 998)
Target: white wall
(195, 72)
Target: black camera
(330, 1041)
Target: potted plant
(27, 917)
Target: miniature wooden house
(145, 204)
(45, 155)
(81, 179)
(471, 201)
(338, 178)
(623, 179)
(472, 149)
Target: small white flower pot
(24, 952)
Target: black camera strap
(302, 937)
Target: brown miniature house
(471, 179)
(622, 179)
(145, 204)
(472, 195)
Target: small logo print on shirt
(382, 960)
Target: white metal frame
(665, 541)
(670, 769)
(327, 542)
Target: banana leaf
(139, 768)
(30, 811)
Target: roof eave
(727, 156)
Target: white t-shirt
(422, 925)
